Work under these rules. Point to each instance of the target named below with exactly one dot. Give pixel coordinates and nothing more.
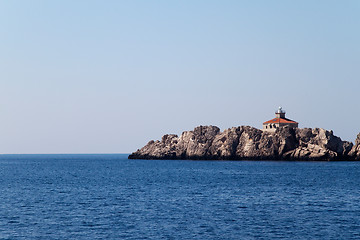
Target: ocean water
(110, 197)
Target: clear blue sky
(107, 76)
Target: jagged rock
(245, 142)
(196, 144)
(225, 143)
(319, 144)
(355, 151)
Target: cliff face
(244, 142)
(355, 151)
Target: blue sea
(111, 197)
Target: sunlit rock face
(319, 144)
(355, 151)
(248, 143)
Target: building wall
(271, 127)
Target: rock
(245, 142)
(224, 144)
(355, 151)
(196, 144)
(319, 144)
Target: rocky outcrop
(355, 151)
(248, 143)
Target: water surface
(110, 197)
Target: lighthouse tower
(279, 121)
(280, 113)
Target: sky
(99, 76)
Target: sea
(107, 196)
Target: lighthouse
(279, 121)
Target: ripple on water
(110, 197)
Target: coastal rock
(196, 144)
(319, 144)
(245, 142)
(355, 151)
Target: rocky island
(249, 143)
(280, 139)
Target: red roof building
(279, 121)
